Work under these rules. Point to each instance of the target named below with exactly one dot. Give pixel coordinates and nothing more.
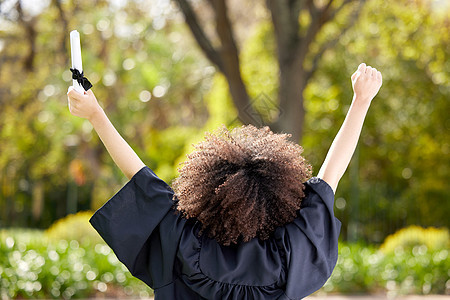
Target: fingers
(368, 71)
(374, 72)
(379, 77)
(76, 96)
(74, 100)
(89, 92)
(69, 90)
(362, 68)
(72, 94)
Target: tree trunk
(291, 78)
(292, 113)
(37, 200)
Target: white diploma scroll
(75, 48)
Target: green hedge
(35, 264)
(365, 269)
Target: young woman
(244, 221)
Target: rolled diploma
(75, 48)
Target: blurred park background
(168, 71)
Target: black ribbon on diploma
(79, 77)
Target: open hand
(366, 82)
(83, 106)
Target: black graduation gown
(164, 250)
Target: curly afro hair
(242, 184)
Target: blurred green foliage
(162, 95)
(35, 266)
(150, 82)
(407, 238)
(74, 227)
(366, 269)
(32, 266)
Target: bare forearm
(344, 144)
(86, 106)
(366, 83)
(122, 154)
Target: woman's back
(167, 251)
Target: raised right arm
(366, 82)
(86, 106)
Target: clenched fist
(366, 83)
(83, 105)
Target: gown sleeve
(138, 221)
(311, 244)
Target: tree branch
(229, 54)
(199, 35)
(317, 21)
(229, 49)
(319, 17)
(31, 37)
(331, 43)
(327, 7)
(226, 58)
(63, 19)
(338, 9)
